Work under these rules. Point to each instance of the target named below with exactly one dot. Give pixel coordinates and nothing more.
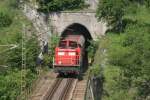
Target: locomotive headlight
(59, 62)
(72, 53)
(61, 53)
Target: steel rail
(53, 89)
(64, 85)
(66, 89)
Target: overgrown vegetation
(92, 50)
(5, 19)
(11, 71)
(53, 42)
(60, 5)
(114, 11)
(127, 68)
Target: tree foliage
(137, 66)
(113, 11)
(59, 5)
(91, 49)
(10, 84)
(130, 52)
(14, 56)
(11, 58)
(10, 78)
(132, 58)
(48, 59)
(5, 19)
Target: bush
(31, 52)
(59, 5)
(54, 40)
(131, 52)
(10, 84)
(92, 50)
(5, 19)
(131, 57)
(112, 11)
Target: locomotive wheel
(61, 74)
(80, 76)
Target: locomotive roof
(77, 38)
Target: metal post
(23, 83)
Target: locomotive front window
(63, 44)
(73, 44)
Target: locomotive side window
(63, 44)
(73, 44)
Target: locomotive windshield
(63, 44)
(72, 44)
(68, 44)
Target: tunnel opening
(78, 29)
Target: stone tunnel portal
(77, 28)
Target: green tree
(130, 52)
(14, 57)
(48, 59)
(112, 11)
(92, 50)
(5, 19)
(132, 58)
(59, 5)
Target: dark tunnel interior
(77, 28)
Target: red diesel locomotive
(69, 54)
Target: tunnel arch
(77, 28)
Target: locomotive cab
(68, 55)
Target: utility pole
(23, 83)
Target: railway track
(79, 90)
(60, 89)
